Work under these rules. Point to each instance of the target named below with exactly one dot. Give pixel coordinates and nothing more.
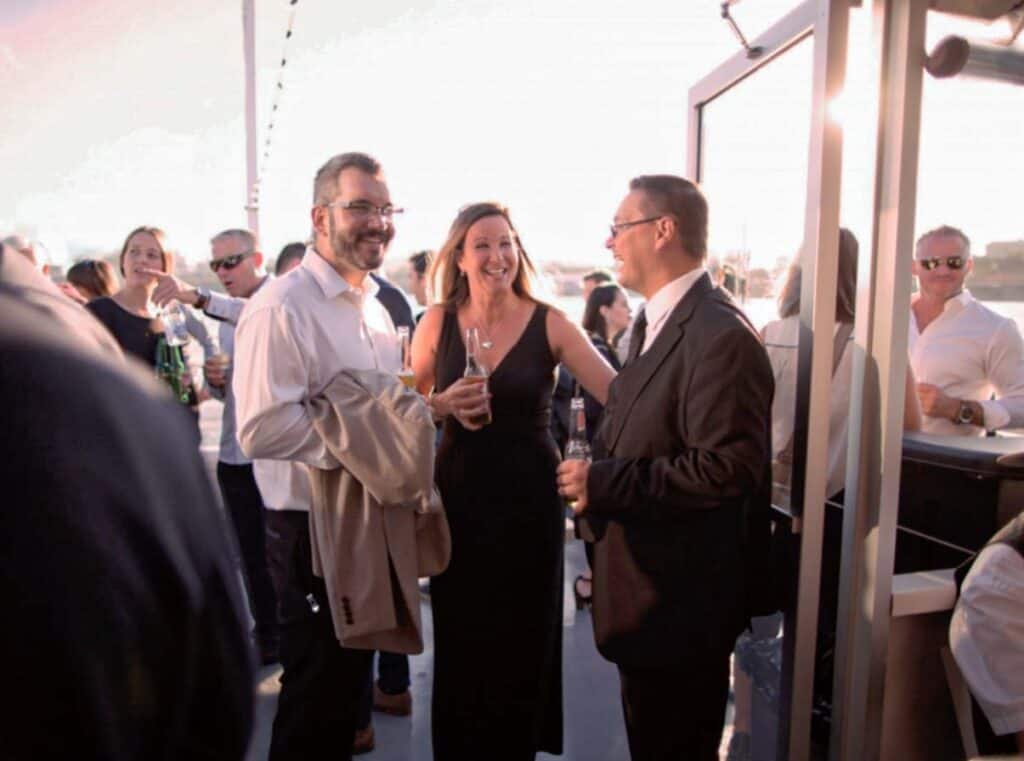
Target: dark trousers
(679, 713)
(392, 678)
(322, 682)
(283, 526)
(245, 506)
(392, 673)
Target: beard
(359, 249)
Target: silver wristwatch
(965, 415)
(202, 298)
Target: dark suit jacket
(684, 445)
(395, 302)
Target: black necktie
(637, 337)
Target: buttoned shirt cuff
(996, 415)
(227, 308)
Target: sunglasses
(953, 262)
(229, 262)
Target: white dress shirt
(227, 309)
(283, 485)
(986, 635)
(295, 335)
(970, 352)
(664, 301)
(782, 341)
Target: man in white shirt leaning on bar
(962, 353)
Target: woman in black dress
(498, 607)
(129, 313)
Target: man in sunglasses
(238, 263)
(962, 353)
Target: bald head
(22, 246)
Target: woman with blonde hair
(131, 318)
(498, 607)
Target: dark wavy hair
(601, 296)
(846, 282)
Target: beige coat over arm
(376, 522)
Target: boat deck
(594, 728)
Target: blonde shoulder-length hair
(166, 257)
(450, 288)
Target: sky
(120, 113)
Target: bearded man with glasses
(962, 353)
(297, 337)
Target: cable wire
(275, 102)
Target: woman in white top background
(782, 340)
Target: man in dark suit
(680, 462)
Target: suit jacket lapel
(635, 376)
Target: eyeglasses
(953, 262)
(229, 262)
(365, 209)
(620, 226)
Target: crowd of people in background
(689, 410)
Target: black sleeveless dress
(498, 607)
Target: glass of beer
(221, 363)
(476, 372)
(405, 374)
(172, 319)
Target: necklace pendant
(487, 344)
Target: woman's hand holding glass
(467, 399)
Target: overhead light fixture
(955, 56)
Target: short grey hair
(325, 186)
(682, 200)
(247, 237)
(945, 231)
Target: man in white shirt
(295, 336)
(962, 353)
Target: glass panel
(754, 157)
(971, 161)
(971, 164)
(969, 173)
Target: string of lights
(276, 100)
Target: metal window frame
(827, 21)
(880, 361)
(878, 387)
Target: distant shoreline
(996, 292)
